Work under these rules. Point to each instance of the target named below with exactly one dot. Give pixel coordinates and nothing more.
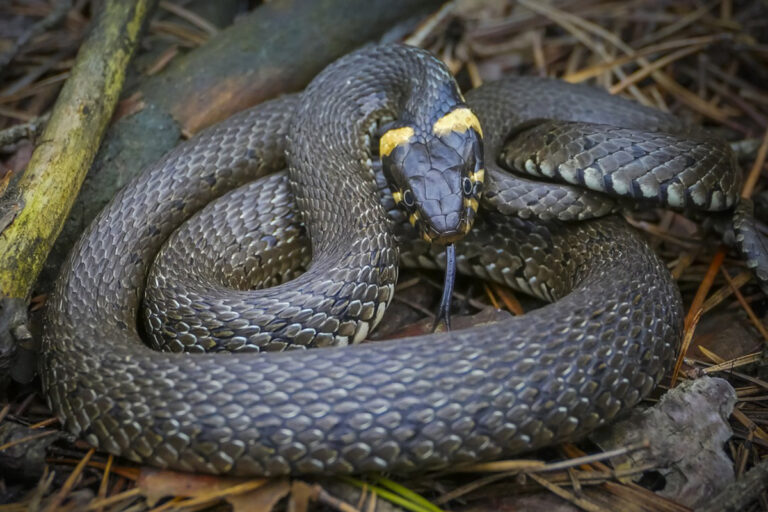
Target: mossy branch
(69, 143)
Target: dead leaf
(302, 494)
(158, 484)
(262, 499)
(727, 334)
(485, 316)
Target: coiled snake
(416, 403)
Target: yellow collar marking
(479, 175)
(459, 120)
(393, 138)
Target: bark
(740, 493)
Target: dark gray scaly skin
(750, 242)
(412, 404)
(583, 136)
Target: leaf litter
(704, 61)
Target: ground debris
(704, 61)
(687, 431)
(23, 450)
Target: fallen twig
(49, 186)
(27, 130)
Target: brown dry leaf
(262, 499)
(157, 484)
(485, 316)
(301, 495)
(413, 301)
(726, 334)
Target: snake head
(436, 173)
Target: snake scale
(418, 403)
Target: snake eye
(466, 186)
(408, 198)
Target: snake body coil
(417, 403)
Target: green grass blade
(408, 494)
(390, 496)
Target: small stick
(115, 498)
(69, 483)
(745, 305)
(735, 363)
(25, 439)
(191, 17)
(103, 486)
(536, 466)
(325, 498)
(697, 307)
(44, 423)
(567, 495)
(509, 299)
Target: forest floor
(706, 62)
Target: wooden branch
(69, 143)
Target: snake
(349, 210)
